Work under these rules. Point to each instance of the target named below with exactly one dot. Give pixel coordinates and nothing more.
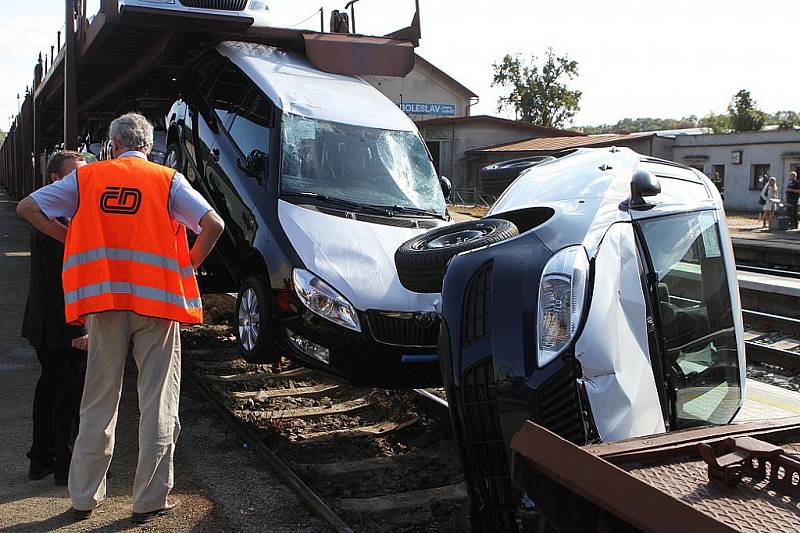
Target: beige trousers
(157, 351)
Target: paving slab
(221, 484)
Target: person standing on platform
(792, 195)
(58, 347)
(770, 195)
(129, 272)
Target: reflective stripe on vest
(124, 251)
(140, 291)
(122, 254)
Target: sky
(636, 58)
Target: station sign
(418, 108)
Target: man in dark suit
(60, 349)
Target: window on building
(436, 154)
(759, 175)
(699, 166)
(718, 177)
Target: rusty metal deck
(654, 484)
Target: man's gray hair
(132, 131)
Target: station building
(440, 106)
(461, 143)
(742, 162)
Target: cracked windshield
(366, 165)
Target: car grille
(477, 306)
(559, 408)
(404, 329)
(489, 463)
(225, 5)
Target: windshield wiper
(412, 211)
(341, 201)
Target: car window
(251, 125)
(227, 91)
(205, 71)
(696, 320)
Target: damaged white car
(613, 313)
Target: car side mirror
(255, 164)
(643, 184)
(447, 186)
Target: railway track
(772, 339)
(361, 459)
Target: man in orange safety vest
(129, 275)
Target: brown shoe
(142, 518)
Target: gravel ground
(221, 485)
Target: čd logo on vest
(121, 200)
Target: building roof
(553, 132)
(554, 144)
(446, 76)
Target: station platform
(222, 486)
(765, 402)
(758, 246)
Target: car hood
(356, 258)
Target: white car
(257, 9)
(598, 298)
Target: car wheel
(422, 261)
(252, 315)
(174, 157)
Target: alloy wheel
(248, 319)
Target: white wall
(780, 149)
(423, 85)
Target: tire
(173, 158)
(252, 320)
(422, 261)
(497, 177)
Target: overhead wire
(312, 15)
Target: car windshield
(697, 328)
(369, 166)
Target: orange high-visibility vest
(124, 252)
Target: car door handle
(215, 155)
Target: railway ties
(363, 459)
(773, 340)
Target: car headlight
(323, 300)
(259, 5)
(561, 296)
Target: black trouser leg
(41, 453)
(60, 395)
(792, 215)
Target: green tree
(744, 114)
(538, 94)
(786, 120)
(718, 123)
(635, 125)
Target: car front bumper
(373, 357)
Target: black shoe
(143, 518)
(78, 514)
(35, 474)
